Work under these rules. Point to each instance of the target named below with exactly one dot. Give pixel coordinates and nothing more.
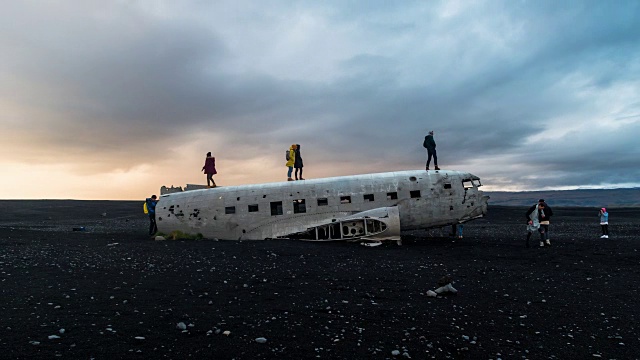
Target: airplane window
(230, 210)
(276, 208)
(477, 183)
(299, 206)
(467, 184)
(415, 194)
(392, 195)
(447, 186)
(253, 208)
(368, 197)
(323, 202)
(345, 199)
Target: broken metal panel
(376, 224)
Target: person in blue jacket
(151, 208)
(604, 223)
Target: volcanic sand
(111, 292)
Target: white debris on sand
(446, 288)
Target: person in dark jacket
(545, 217)
(209, 168)
(430, 145)
(544, 214)
(297, 163)
(151, 208)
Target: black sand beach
(109, 292)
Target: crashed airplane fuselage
(357, 207)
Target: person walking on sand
(533, 223)
(151, 209)
(291, 160)
(430, 145)
(545, 218)
(297, 164)
(209, 168)
(604, 223)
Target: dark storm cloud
(499, 82)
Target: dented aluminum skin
(365, 207)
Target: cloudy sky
(112, 99)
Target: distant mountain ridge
(628, 197)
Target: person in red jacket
(209, 168)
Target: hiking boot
(437, 168)
(541, 244)
(427, 168)
(289, 179)
(606, 236)
(603, 236)
(302, 178)
(548, 242)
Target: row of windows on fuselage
(299, 205)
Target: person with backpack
(297, 163)
(430, 145)
(150, 207)
(209, 168)
(290, 156)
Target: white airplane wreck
(371, 207)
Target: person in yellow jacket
(291, 159)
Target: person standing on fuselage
(297, 163)
(430, 145)
(209, 168)
(291, 160)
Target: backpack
(287, 155)
(424, 144)
(146, 210)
